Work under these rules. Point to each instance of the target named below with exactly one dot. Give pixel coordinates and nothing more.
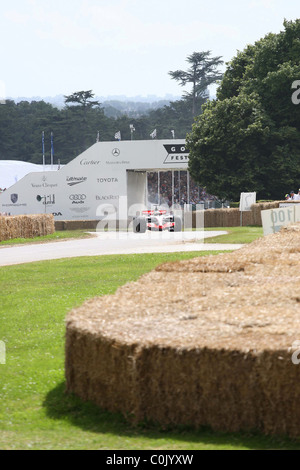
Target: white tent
(11, 171)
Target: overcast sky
(123, 47)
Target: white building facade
(107, 176)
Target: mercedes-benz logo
(116, 152)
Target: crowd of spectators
(292, 196)
(186, 191)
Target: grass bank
(234, 235)
(237, 235)
(35, 412)
(56, 236)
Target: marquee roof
(12, 171)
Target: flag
(98, 137)
(153, 134)
(118, 135)
(173, 134)
(132, 129)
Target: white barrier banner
(274, 219)
(246, 201)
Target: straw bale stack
(233, 218)
(26, 226)
(262, 206)
(202, 342)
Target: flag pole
(43, 145)
(52, 152)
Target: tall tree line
(75, 128)
(83, 121)
(248, 139)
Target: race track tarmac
(112, 243)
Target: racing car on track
(157, 220)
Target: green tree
(82, 102)
(82, 98)
(201, 73)
(248, 139)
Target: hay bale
(26, 226)
(202, 342)
(262, 206)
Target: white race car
(157, 220)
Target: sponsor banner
(86, 162)
(44, 184)
(107, 198)
(79, 210)
(122, 162)
(246, 201)
(77, 198)
(274, 219)
(107, 180)
(14, 205)
(48, 200)
(177, 153)
(74, 180)
(14, 198)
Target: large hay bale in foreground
(203, 342)
(26, 226)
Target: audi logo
(77, 197)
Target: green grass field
(236, 235)
(57, 236)
(35, 411)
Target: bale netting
(201, 342)
(26, 226)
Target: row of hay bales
(26, 226)
(234, 218)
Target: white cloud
(17, 17)
(262, 3)
(124, 46)
(114, 25)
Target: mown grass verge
(56, 236)
(35, 412)
(239, 235)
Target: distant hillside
(114, 106)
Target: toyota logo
(77, 197)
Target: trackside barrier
(274, 219)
